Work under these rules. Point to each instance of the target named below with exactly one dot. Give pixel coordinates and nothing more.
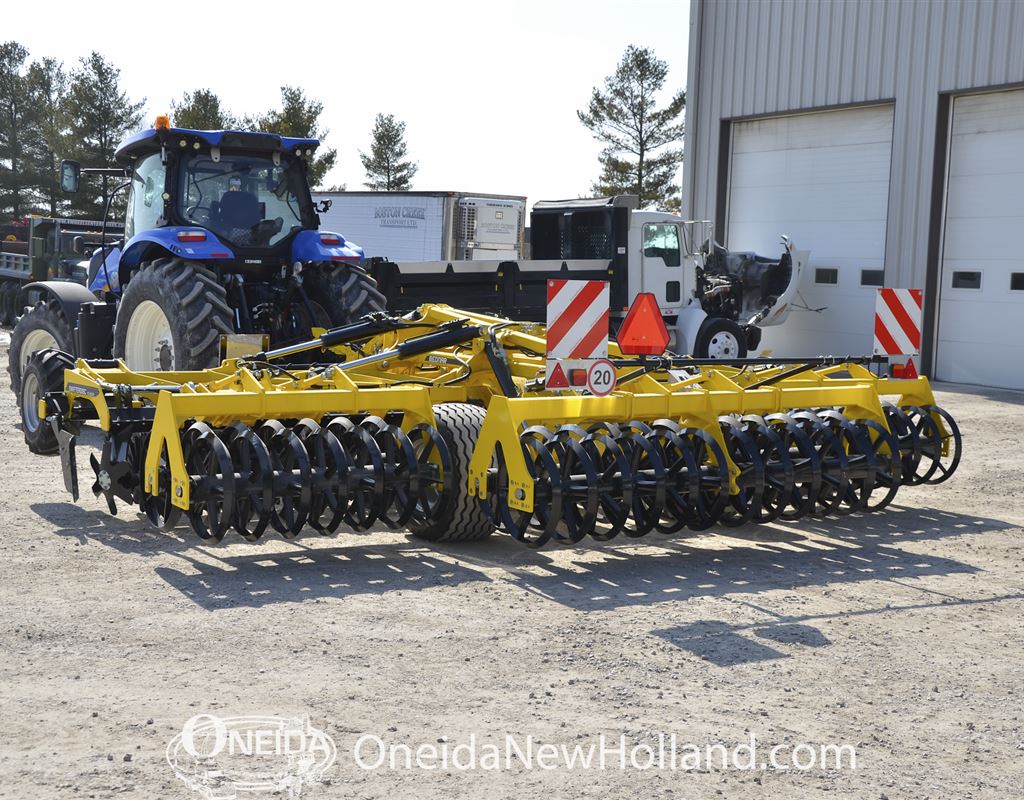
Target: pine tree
(201, 110)
(298, 116)
(626, 119)
(101, 117)
(15, 196)
(48, 130)
(386, 170)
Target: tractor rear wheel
(43, 373)
(346, 290)
(41, 327)
(463, 519)
(171, 317)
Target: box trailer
(428, 226)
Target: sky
(488, 90)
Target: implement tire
(463, 519)
(43, 326)
(346, 290)
(43, 373)
(171, 317)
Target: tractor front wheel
(171, 317)
(44, 325)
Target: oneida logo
(218, 757)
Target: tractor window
(247, 200)
(662, 241)
(146, 199)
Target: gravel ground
(899, 633)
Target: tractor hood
(152, 139)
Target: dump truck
(54, 248)
(439, 421)
(429, 226)
(714, 302)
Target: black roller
(254, 496)
(744, 451)
(293, 490)
(212, 475)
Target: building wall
(752, 58)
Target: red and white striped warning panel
(898, 322)
(577, 319)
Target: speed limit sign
(601, 377)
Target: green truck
(56, 249)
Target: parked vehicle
(50, 248)
(714, 302)
(221, 239)
(428, 226)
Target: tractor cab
(248, 189)
(221, 251)
(239, 199)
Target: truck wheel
(720, 338)
(462, 520)
(43, 373)
(346, 291)
(8, 302)
(171, 316)
(42, 326)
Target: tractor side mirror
(78, 245)
(325, 205)
(70, 176)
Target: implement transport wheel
(171, 317)
(43, 373)
(43, 326)
(345, 290)
(462, 518)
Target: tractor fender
(157, 242)
(310, 246)
(69, 295)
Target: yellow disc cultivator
(439, 422)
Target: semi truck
(714, 302)
(429, 226)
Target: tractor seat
(239, 210)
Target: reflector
(643, 331)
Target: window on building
(1017, 281)
(828, 276)
(872, 277)
(966, 279)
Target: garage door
(981, 297)
(823, 179)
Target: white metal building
(885, 136)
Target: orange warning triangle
(643, 331)
(557, 379)
(904, 373)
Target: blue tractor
(221, 238)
